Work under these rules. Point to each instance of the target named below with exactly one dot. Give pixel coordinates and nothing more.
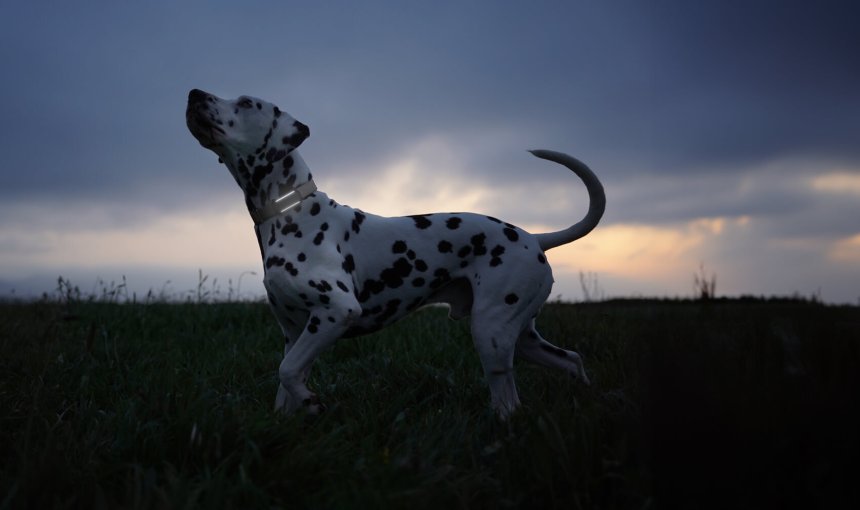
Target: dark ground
(726, 403)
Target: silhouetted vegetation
(748, 403)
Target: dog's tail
(596, 205)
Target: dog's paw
(312, 405)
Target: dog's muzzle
(199, 119)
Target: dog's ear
(302, 132)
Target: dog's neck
(267, 176)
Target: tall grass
(135, 405)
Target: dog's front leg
(282, 398)
(323, 328)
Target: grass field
(749, 404)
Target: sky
(726, 134)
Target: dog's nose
(197, 96)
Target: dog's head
(242, 127)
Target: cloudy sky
(727, 133)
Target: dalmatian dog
(333, 272)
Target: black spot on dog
(323, 286)
(290, 268)
(541, 258)
(398, 247)
(324, 227)
(496, 254)
(302, 257)
(393, 276)
(261, 148)
(511, 298)
(444, 247)
(420, 265)
(302, 132)
(363, 296)
(348, 264)
(288, 162)
(260, 172)
(464, 251)
(356, 223)
(342, 286)
(290, 228)
(318, 239)
(371, 286)
(324, 299)
(315, 209)
(421, 221)
(410, 254)
(478, 244)
(511, 234)
(274, 261)
(453, 223)
(272, 236)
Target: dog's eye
(246, 103)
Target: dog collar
(283, 203)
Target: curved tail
(596, 206)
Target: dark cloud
(677, 105)
(743, 82)
(97, 94)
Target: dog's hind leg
(495, 343)
(501, 309)
(532, 347)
